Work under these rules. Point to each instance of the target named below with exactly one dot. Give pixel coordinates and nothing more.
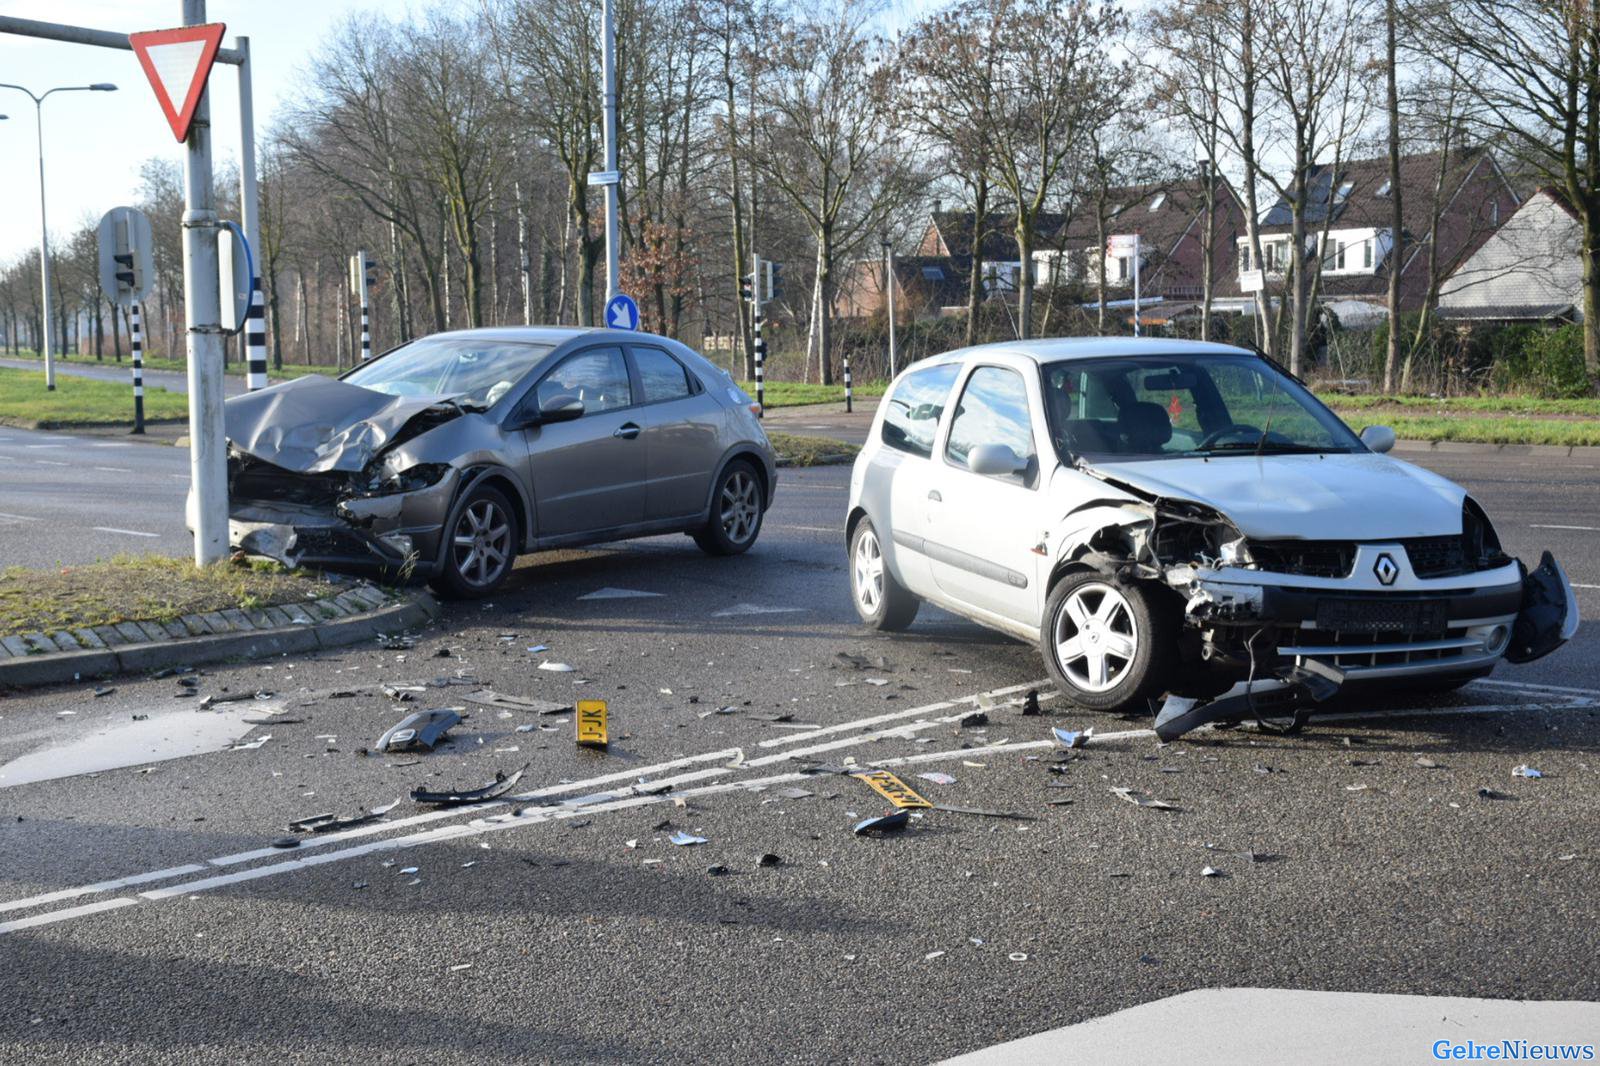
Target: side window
(911, 416)
(662, 376)
(1173, 390)
(598, 377)
(993, 410)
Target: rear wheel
(736, 509)
(881, 601)
(1106, 645)
(480, 545)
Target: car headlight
(412, 478)
(1479, 542)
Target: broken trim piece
(501, 784)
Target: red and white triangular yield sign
(177, 62)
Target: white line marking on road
(44, 445)
(1582, 529)
(180, 477)
(17, 517)
(103, 886)
(1534, 686)
(1577, 586)
(50, 462)
(926, 709)
(71, 912)
(814, 529)
(115, 469)
(112, 444)
(128, 532)
(741, 609)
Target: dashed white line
(50, 462)
(17, 517)
(814, 529)
(44, 445)
(1581, 529)
(102, 886)
(115, 469)
(63, 915)
(126, 532)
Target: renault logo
(1386, 569)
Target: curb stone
(31, 659)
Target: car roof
(1056, 349)
(545, 334)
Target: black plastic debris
(285, 842)
(1494, 794)
(846, 661)
(232, 697)
(423, 729)
(769, 859)
(829, 768)
(1030, 704)
(1548, 617)
(1292, 689)
(716, 870)
(887, 823)
(329, 823)
(972, 719)
(501, 784)
(104, 690)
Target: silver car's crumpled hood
(1359, 496)
(315, 424)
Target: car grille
(1437, 556)
(1308, 558)
(319, 542)
(1353, 651)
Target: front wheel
(1106, 645)
(736, 509)
(480, 546)
(881, 601)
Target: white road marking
(814, 529)
(17, 517)
(930, 708)
(71, 912)
(115, 469)
(102, 886)
(618, 594)
(1577, 586)
(623, 801)
(740, 609)
(50, 462)
(1582, 529)
(127, 532)
(112, 444)
(44, 445)
(1534, 686)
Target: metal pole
(888, 282)
(608, 63)
(1135, 284)
(136, 344)
(760, 343)
(44, 254)
(255, 329)
(366, 319)
(202, 310)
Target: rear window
(911, 412)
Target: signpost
(1127, 244)
(127, 271)
(178, 62)
(235, 270)
(622, 312)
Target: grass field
(76, 401)
(1519, 405)
(800, 394)
(176, 365)
(142, 588)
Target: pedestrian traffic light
(774, 280)
(747, 287)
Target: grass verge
(1482, 429)
(143, 588)
(812, 451)
(1499, 405)
(176, 365)
(804, 393)
(76, 401)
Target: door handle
(933, 494)
(626, 431)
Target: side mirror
(995, 460)
(1378, 438)
(563, 408)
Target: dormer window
(1383, 190)
(933, 273)
(1344, 192)
(1161, 198)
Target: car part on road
(891, 788)
(328, 823)
(501, 784)
(592, 721)
(1069, 738)
(887, 823)
(490, 698)
(1524, 770)
(424, 729)
(1294, 688)
(686, 840)
(1140, 799)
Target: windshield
(474, 371)
(1154, 407)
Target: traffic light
(747, 288)
(774, 280)
(124, 273)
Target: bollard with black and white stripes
(255, 339)
(359, 266)
(136, 347)
(761, 360)
(847, 406)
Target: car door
(983, 530)
(904, 463)
(587, 474)
(679, 426)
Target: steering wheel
(1227, 431)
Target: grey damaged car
(450, 456)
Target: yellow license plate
(592, 723)
(893, 789)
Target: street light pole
(44, 225)
(888, 284)
(608, 69)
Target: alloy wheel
(1095, 637)
(868, 572)
(482, 543)
(741, 507)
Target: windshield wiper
(1266, 447)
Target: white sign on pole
(127, 267)
(235, 272)
(1121, 244)
(1252, 280)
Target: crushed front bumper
(398, 533)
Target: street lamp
(44, 228)
(888, 284)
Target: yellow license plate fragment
(893, 789)
(592, 731)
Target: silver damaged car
(451, 455)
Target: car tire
(479, 545)
(881, 601)
(737, 506)
(1107, 646)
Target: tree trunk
(825, 307)
(1391, 355)
(980, 223)
(1024, 275)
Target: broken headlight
(1479, 542)
(385, 482)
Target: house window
(1161, 198)
(1344, 192)
(1383, 190)
(1366, 254)
(1244, 258)
(1494, 212)
(933, 273)
(1270, 253)
(1335, 259)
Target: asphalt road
(169, 931)
(171, 380)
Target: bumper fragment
(1548, 614)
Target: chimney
(938, 205)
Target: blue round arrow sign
(622, 312)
